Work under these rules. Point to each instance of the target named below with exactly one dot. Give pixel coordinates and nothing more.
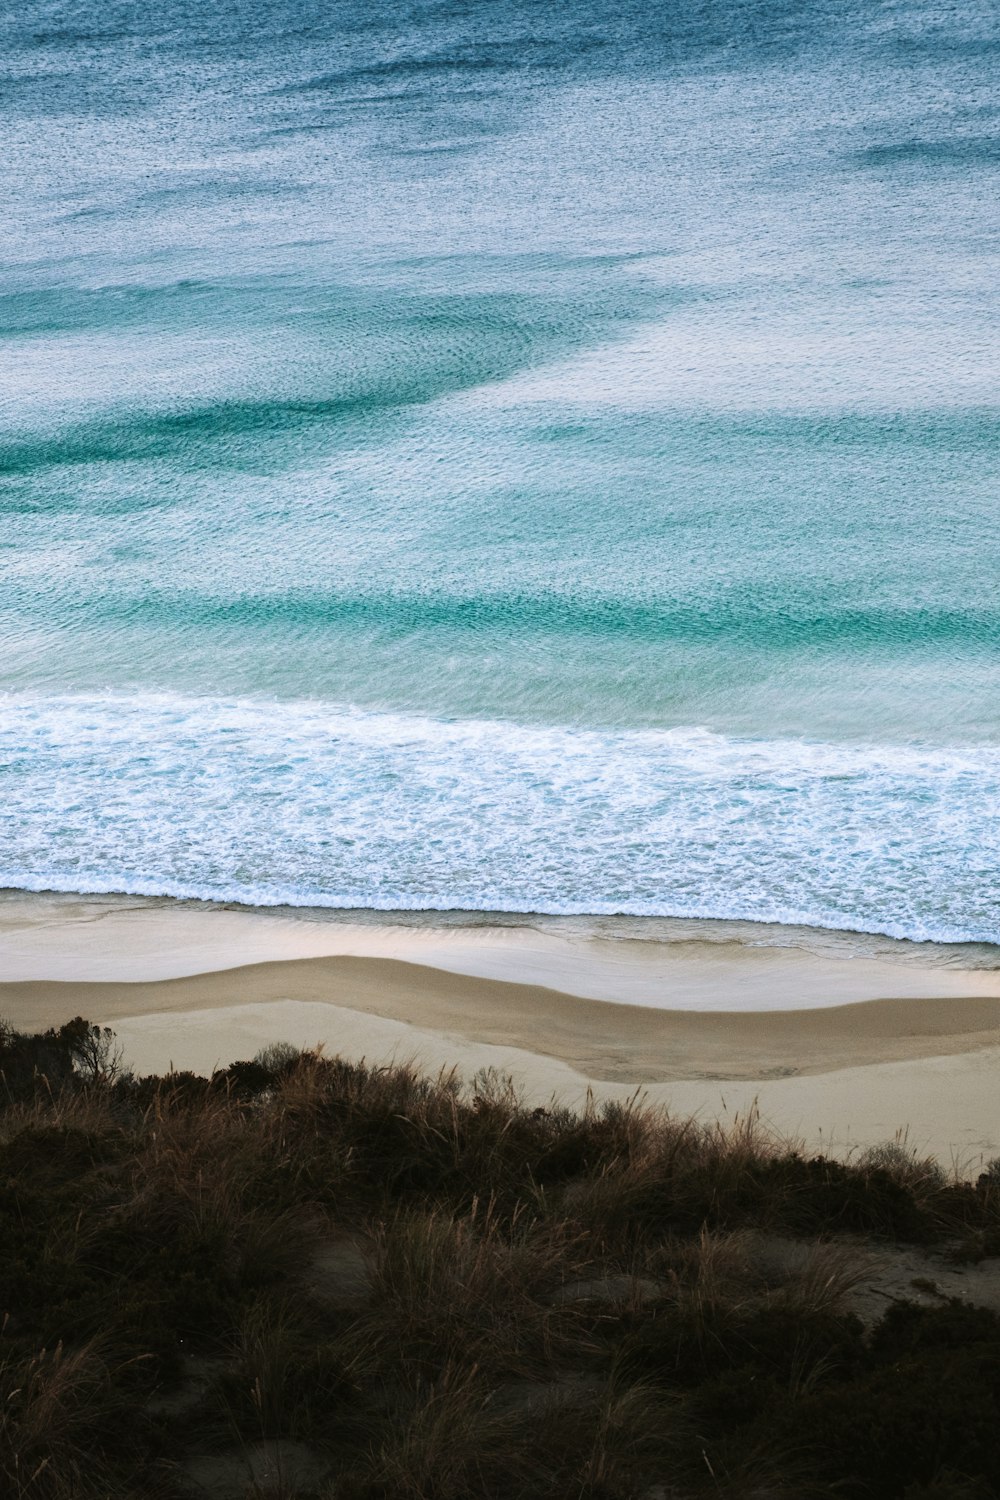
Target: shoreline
(841, 1043)
(614, 926)
(663, 962)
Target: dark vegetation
(309, 1277)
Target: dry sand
(843, 1042)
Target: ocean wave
(763, 623)
(318, 804)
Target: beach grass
(309, 1277)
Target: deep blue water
(504, 456)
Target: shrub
(553, 1303)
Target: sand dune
(916, 1046)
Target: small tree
(96, 1052)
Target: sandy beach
(839, 1040)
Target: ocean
(477, 455)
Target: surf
(322, 804)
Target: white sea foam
(309, 803)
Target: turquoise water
(507, 457)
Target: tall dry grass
(611, 1304)
(57, 1406)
